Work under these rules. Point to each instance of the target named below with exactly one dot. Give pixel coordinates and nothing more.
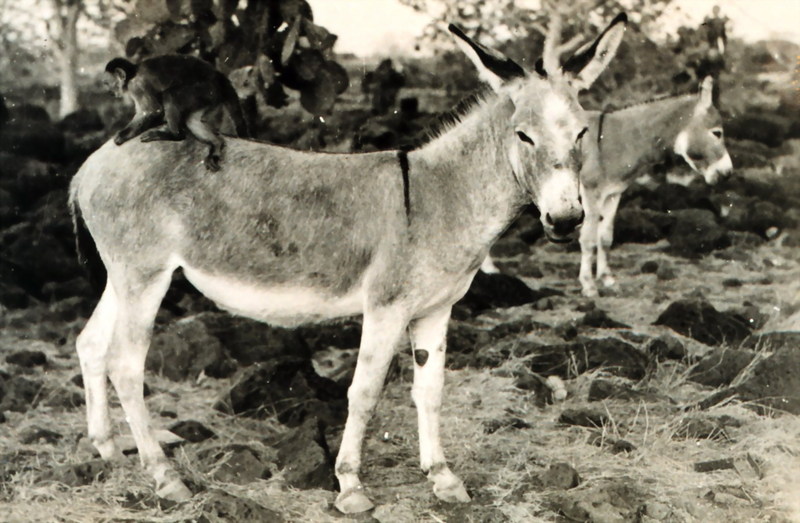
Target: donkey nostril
(696, 157)
(549, 219)
(580, 220)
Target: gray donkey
(624, 144)
(291, 237)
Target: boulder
(306, 459)
(640, 225)
(699, 319)
(185, 348)
(613, 355)
(489, 291)
(287, 387)
(696, 232)
(720, 367)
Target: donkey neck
(465, 174)
(637, 137)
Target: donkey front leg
(428, 338)
(380, 334)
(608, 212)
(137, 305)
(588, 241)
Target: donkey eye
(717, 133)
(580, 134)
(524, 137)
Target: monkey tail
(88, 257)
(235, 110)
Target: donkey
(624, 144)
(291, 237)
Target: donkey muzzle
(559, 229)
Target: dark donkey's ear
(586, 65)
(493, 67)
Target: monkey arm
(149, 112)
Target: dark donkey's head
(542, 139)
(700, 142)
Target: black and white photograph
(399, 261)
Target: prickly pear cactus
(277, 40)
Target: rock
(583, 418)
(18, 393)
(13, 297)
(560, 476)
(492, 426)
(714, 465)
(666, 348)
(696, 232)
(763, 127)
(774, 382)
(489, 291)
(601, 389)
(222, 506)
(79, 474)
(698, 319)
(35, 139)
(192, 431)
(289, 388)
(601, 439)
(649, 267)
(39, 435)
(613, 500)
(341, 335)
(700, 427)
(612, 354)
(720, 367)
(599, 319)
(305, 458)
(27, 358)
(249, 341)
(640, 226)
(82, 121)
(240, 465)
(509, 246)
(666, 272)
(529, 268)
(529, 381)
(185, 348)
(772, 341)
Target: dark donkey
(289, 237)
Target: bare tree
(63, 29)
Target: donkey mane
(654, 99)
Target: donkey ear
(706, 93)
(586, 65)
(493, 67)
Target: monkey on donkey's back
(179, 91)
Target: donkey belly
(284, 305)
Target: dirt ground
(496, 437)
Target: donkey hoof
(353, 501)
(608, 280)
(590, 291)
(451, 490)
(173, 490)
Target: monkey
(179, 91)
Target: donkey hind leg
(380, 334)
(205, 134)
(428, 337)
(138, 300)
(588, 241)
(92, 345)
(608, 211)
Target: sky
(367, 27)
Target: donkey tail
(88, 256)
